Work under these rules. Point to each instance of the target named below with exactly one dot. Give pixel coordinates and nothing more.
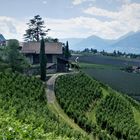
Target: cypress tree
(42, 60)
(66, 51)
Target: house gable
(50, 48)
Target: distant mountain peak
(94, 36)
(129, 43)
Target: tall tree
(42, 60)
(36, 29)
(16, 60)
(67, 53)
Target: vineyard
(78, 94)
(109, 71)
(24, 113)
(115, 114)
(124, 82)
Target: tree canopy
(36, 29)
(15, 59)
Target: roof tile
(34, 47)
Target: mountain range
(129, 43)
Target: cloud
(44, 2)
(100, 12)
(124, 1)
(77, 2)
(84, 26)
(128, 16)
(12, 28)
(126, 12)
(125, 20)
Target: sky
(108, 19)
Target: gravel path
(50, 87)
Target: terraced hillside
(24, 113)
(98, 109)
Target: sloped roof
(2, 39)
(34, 47)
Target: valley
(70, 70)
(108, 71)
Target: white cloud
(84, 26)
(100, 12)
(77, 2)
(128, 16)
(12, 28)
(44, 2)
(127, 12)
(122, 21)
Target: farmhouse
(53, 51)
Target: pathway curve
(50, 88)
(56, 108)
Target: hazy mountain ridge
(129, 43)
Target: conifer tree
(42, 60)
(66, 51)
(36, 29)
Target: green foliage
(42, 61)
(66, 51)
(117, 80)
(115, 115)
(113, 112)
(35, 29)
(3, 66)
(15, 59)
(24, 113)
(75, 93)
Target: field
(121, 81)
(107, 60)
(24, 113)
(99, 110)
(107, 70)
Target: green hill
(24, 113)
(98, 109)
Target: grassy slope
(91, 115)
(24, 114)
(58, 111)
(136, 115)
(116, 78)
(55, 108)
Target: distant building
(136, 69)
(53, 51)
(2, 40)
